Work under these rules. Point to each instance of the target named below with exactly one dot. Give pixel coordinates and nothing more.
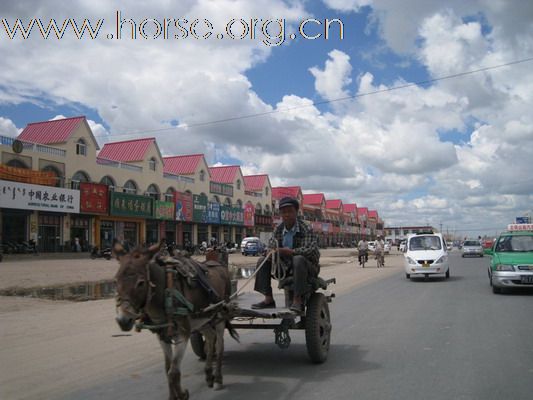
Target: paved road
(392, 339)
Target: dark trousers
(300, 268)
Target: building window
(78, 177)
(239, 203)
(152, 163)
(266, 191)
(238, 184)
(57, 174)
(267, 209)
(153, 192)
(258, 208)
(130, 187)
(202, 175)
(216, 199)
(227, 202)
(107, 180)
(81, 147)
(169, 195)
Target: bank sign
(36, 197)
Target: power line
(319, 103)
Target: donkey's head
(132, 283)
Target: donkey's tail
(233, 333)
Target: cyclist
(380, 251)
(362, 248)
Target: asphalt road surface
(391, 339)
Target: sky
(420, 109)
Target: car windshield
(472, 243)
(425, 243)
(515, 244)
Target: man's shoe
(262, 304)
(299, 308)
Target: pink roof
(224, 174)
(289, 191)
(128, 150)
(372, 214)
(313, 199)
(255, 182)
(334, 204)
(182, 165)
(350, 208)
(362, 211)
(49, 132)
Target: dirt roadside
(50, 348)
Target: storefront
(128, 212)
(164, 212)
(52, 204)
(94, 201)
(234, 217)
(184, 217)
(199, 216)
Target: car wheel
(496, 290)
(481, 255)
(462, 255)
(408, 276)
(448, 274)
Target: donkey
(142, 280)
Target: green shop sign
(199, 208)
(164, 210)
(231, 215)
(130, 205)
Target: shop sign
(94, 198)
(249, 213)
(261, 219)
(221, 188)
(213, 213)
(326, 227)
(199, 213)
(231, 215)
(36, 197)
(130, 205)
(164, 210)
(183, 206)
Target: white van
(426, 254)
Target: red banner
(249, 212)
(93, 198)
(184, 206)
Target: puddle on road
(72, 292)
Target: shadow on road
(264, 367)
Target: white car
(372, 246)
(426, 255)
(387, 247)
(403, 246)
(472, 248)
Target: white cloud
(347, 5)
(8, 128)
(330, 81)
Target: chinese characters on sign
(164, 210)
(213, 213)
(94, 198)
(231, 215)
(35, 197)
(199, 208)
(130, 205)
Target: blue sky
(443, 151)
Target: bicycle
(363, 258)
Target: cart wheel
(317, 328)
(197, 344)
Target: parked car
(472, 247)
(253, 248)
(426, 254)
(245, 240)
(387, 248)
(449, 246)
(511, 264)
(372, 246)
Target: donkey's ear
(118, 249)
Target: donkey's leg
(173, 357)
(209, 335)
(219, 341)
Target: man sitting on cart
(299, 255)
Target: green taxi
(511, 265)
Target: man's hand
(285, 251)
